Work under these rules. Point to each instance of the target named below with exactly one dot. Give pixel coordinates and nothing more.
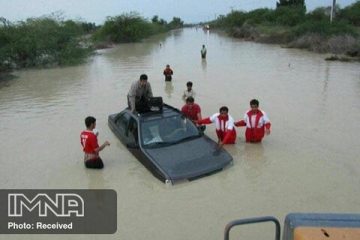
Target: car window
(122, 121)
(132, 131)
(169, 130)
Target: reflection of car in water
(169, 144)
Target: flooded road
(309, 163)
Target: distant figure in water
(168, 72)
(203, 51)
(257, 123)
(189, 92)
(89, 142)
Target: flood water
(309, 163)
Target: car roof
(167, 111)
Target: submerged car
(169, 144)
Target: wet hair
(89, 120)
(190, 100)
(189, 84)
(254, 102)
(167, 65)
(143, 77)
(223, 108)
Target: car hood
(190, 159)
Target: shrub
(289, 16)
(318, 14)
(324, 28)
(351, 14)
(40, 41)
(131, 27)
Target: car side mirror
(133, 145)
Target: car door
(132, 132)
(122, 122)
(132, 138)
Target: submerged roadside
(292, 27)
(343, 47)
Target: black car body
(169, 144)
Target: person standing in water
(203, 52)
(91, 148)
(256, 121)
(225, 129)
(192, 111)
(189, 92)
(168, 72)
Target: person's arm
(184, 96)
(198, 115)
(267, 128)
(240, 123)
(225, 139)
(149, 91)
(106, 143)
(131, 96)
(266, 123)
(183, 110)
(204, 121)
(228, 132)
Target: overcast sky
(190, 11)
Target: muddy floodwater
(309, 163)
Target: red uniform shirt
(89, 142)
(225, 129)
(191, 111)
(168, 72)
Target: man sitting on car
(139, 94)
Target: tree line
(51, 41)
(289, 23)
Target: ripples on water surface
(309, 163)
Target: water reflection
(177, 33)
(253, 152)
(45, 88)
(203, 64)
(95, 179)
(134, 53)
(6, 80)
(254, 159)
(169, 88)
(324, 92)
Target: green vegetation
(290, 24)
(131, 28)
(287, 3)
(48, 41)
(40, 42)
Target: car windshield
(167, 131)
